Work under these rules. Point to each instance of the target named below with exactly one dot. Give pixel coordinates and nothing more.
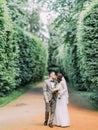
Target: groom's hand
(47, 101)
(59, 92)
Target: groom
(50, 95)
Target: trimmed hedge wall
(7, 54)
(32, 56)
(87, 44)
(23, 57)
(87, 37)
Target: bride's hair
(59, 77)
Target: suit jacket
(47, 90)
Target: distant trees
(17, 12)
(24, 16)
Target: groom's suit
(51, 97)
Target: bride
(61, 112)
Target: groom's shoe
(50, 125)
(45, 123)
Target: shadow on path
(37, 90)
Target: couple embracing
(56, 100)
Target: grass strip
(15, 94)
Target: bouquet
(55, 90)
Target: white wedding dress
(61, 112)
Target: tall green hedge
(87, 44)
(22, 56)
(32, 56)
(87, 37)
(7, 54)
